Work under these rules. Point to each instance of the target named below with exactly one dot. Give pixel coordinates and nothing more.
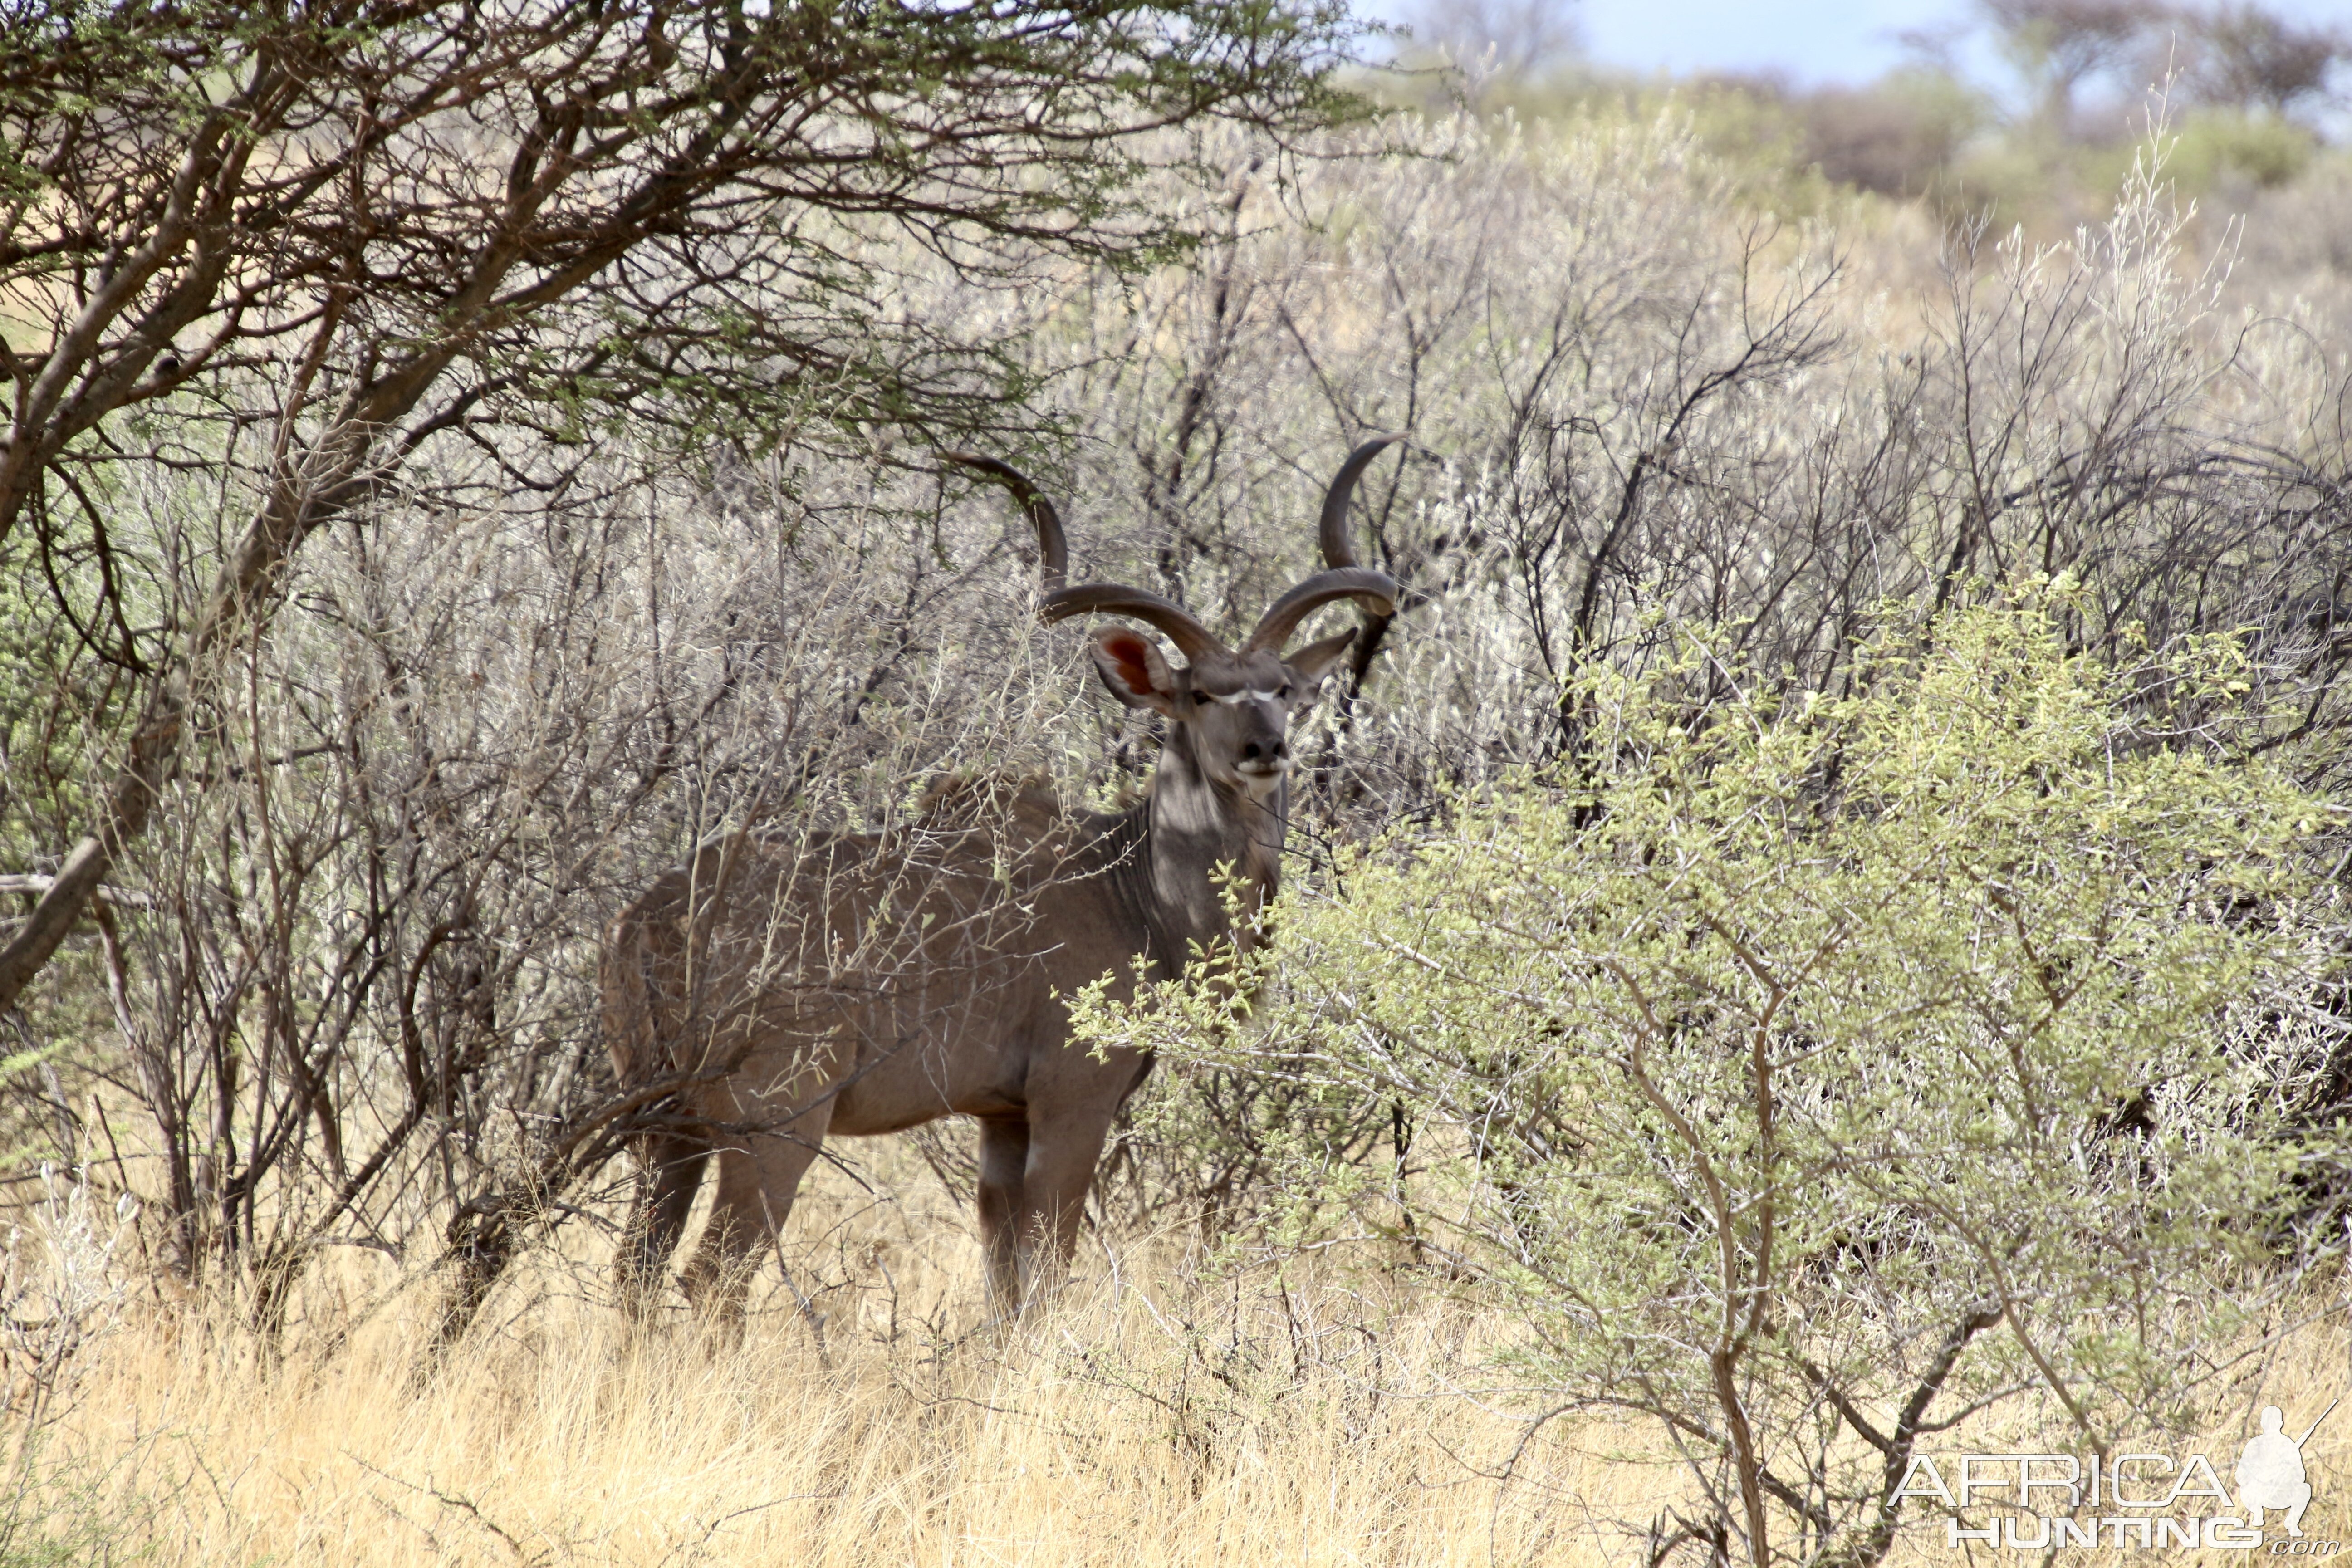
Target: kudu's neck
(1185, 843)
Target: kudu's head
(1231, 705)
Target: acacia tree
(2255, 58)
(357, 229)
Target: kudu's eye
(1285, 692)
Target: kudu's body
(848, 984)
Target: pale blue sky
(1809, 40)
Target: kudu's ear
(1315, 661)
(1131, 665)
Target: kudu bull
(822, 984)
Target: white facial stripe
(1231, 698)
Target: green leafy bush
(1828, 1065)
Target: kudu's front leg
(1003, 1160)
(1064, 1150)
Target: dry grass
(1147, 1416)
(1154, 1414)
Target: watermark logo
(2271, 1473)
(2129, 1501)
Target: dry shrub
(352, 993)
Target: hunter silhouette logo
(2271, 1473)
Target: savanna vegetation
(1816, 935)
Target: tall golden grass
(1149, 1414)
(1154, 1413)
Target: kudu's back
(898, 976)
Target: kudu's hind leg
(669, 1171)
(1004, 1158)
(757, 1179)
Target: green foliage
(55, 1514)
(2262, 149)
(1826, 1031)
